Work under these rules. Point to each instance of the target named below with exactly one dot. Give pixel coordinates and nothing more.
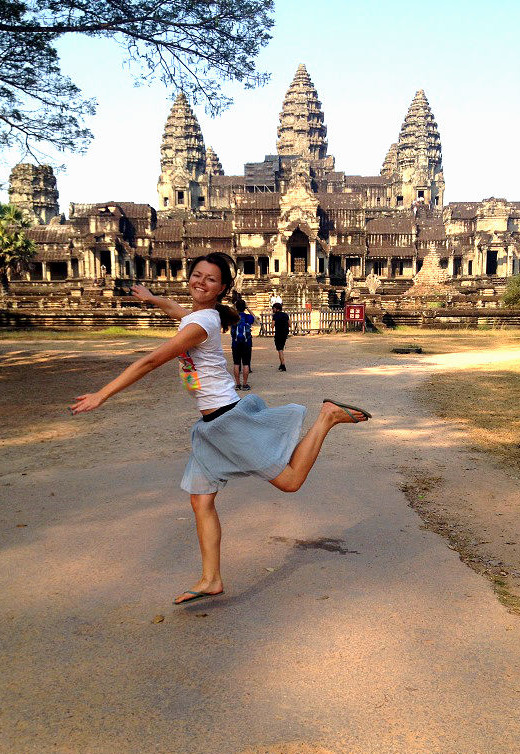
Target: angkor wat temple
(293, 219)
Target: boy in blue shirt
(242, 344)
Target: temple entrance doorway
(140, 268)
(105, 260)
(491, 263)
(298, 248)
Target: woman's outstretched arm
(191, 336)
(169, 307)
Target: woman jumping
(234, 437)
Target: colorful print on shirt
(188, 373)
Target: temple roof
(391, 251)
(257, 201)
(431, 230)
(169, 230)
(227, 180)
(55, 234)
(463, 210)
(402, 223)
(209, 229)
(301, 130)
(366, 180)
(339, 201)
(132, 210)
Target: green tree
(16, 250)
(511, 295)
(191, 45)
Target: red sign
(355, 313)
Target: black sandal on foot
(346, 407)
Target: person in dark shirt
(242, 344)
(281, 331)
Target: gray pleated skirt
(250, 439)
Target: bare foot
(338, 415)
(211, 588)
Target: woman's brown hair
(228, 315)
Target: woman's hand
(141, 292)
(87, 402)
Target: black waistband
(218, 412)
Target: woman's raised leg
(209, 534)
(307, 450)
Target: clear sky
(366, 58)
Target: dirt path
(347, 626)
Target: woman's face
(205, 284)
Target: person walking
(281, 332)
(233, 437)
(242, 344)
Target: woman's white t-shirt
(203, 369)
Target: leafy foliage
(16, 250)
(511, 295)
(191, 45)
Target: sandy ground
(348, 626)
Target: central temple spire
(183, 145)
(301, 130)
(183, 159)
(419, 133)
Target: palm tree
(16, 250)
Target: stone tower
(389, 168)
(213, 165)
(183, 159)
(419, 158)
(301, 130)
(32, 188)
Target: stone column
(480, 261)
(451, 265)
(389, 267)
(326, 264)
(312, 257)
(184, 268)
(45, 272)
(113, 263)
(147, 269)
(69, 268)
(257, 267)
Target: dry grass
(487, 400)
(107, 333)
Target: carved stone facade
(291, 216)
